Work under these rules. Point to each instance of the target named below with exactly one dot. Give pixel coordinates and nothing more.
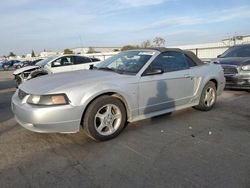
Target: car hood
(59, 82)
(233, 61)
(18, 71)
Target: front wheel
(208, 97)
(18, 80)
(105, 118)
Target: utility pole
(234, 38)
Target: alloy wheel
(108, 119)
(209, 97)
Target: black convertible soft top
(186, 52)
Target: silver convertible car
(130, 86)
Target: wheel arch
(38, 72)
(114, 94)
(214, 81)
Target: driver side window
(63, 61)
(170, 61)
(243, 52)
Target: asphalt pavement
(189, 148)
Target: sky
(27, 25)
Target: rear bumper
(237, 81)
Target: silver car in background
(127, 87)
(52, 65)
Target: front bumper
(237, 81)
(46, 119)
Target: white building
(28, 56)
(48, 54)
(84, 50)
(212, 50)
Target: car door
(62, 64)
(81, 63)
(172, 88)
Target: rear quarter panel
(203, 74)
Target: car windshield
(45, 61)
(129, 62)
(237, 51)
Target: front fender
(38, 72)
(129, 96)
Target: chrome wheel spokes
(210, 96)
(108, 119)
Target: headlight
(246, 68)
(55, 99)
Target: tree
(129, 47)
(91, 50)
(12, 54)
(159, 41)
(68, 51)
(33, 54)
(146, 44)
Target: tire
(18, 80)
(105, 118)
(5, 67)
(208, 97)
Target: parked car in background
(34, 62)
(130, 86)
(18, 65)
(236, 64)
(53, 64)
(1, 65)
(25, 63)
(8, 64)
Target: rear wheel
(105, 118)
(208, 97)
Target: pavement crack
(136, 152)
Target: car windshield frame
(232, 52)
(127, 62)
(42, 63)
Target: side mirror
(153, 71)
(218, 56)
(55, 64)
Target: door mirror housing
(218, 56)
(153, 71)
(55, 64)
